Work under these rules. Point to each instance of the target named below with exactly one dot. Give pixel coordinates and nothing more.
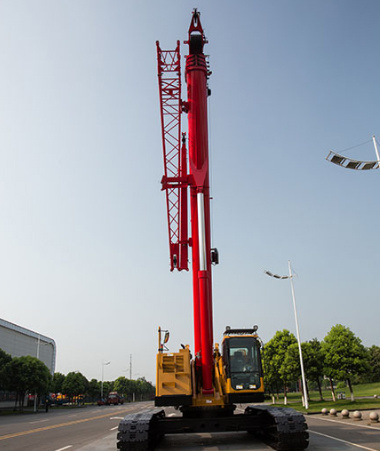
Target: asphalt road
(95, 429)
(63, 428)
(349, 434)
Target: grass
(315, 405)
(364, 390)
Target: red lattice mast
(174, 180)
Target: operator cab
(242, 363)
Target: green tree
(272, 380)
(4, 359)
(74, 384)
(93, 390)
(56, 385)
(278, 369)
(290, 370)
(108, 386)
(374, 363)
(344, 355)
(26, 374)
(144, 389)
(122, 385)
(313, 362)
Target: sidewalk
(365, 421)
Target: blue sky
(84, 255)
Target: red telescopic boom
(197, 91)
(176, 180)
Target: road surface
(95, 429)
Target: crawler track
(138, 431)
(282, 429)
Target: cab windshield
(244, 362)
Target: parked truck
(114, 399)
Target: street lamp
(103, 365)
(290, 277)
(359, 165)
(38, 356)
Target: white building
(18, 341)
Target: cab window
(243, 355)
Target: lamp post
(101, 389)
(38, 356)
(290, 277)
(358, 165)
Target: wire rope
(210, 167)
(354, 147)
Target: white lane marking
(343, 441)
(114, 428)
(66, 447)
(117, 418)
(348, 424)
(38, 421)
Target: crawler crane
(205, 387)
